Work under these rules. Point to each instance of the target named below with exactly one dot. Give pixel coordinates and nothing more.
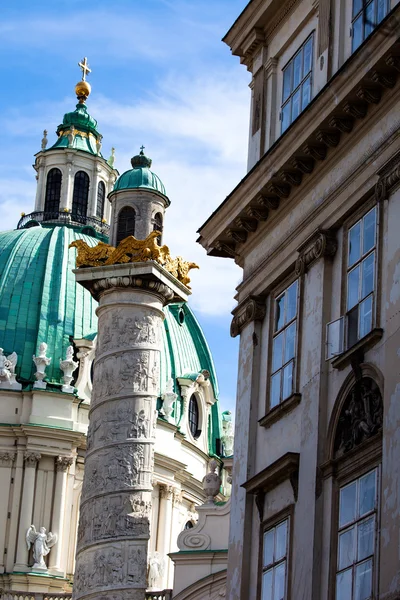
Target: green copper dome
(79, 127)
(140, 176)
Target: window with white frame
(297, 83)
(284, 345)
(367, 14)
(357, 538)
(274, 562)
(361, 268)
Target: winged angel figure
(7, 366)
(42, 542)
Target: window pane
(307, 57)
(297, 75)
(367, 493)
(365, 538)
(306, 93)
(353, 281)
(357, 32)
(365, 316)
(369, 231)
(267, 585)
(357, 6)
(347, 509)
(280, 312)
(279, 583)
(275, 397)
(343, 585)
(352, 327)
(269, 547)
(369, 18)
(291, 302)
(382, 9)
(287, 81)
(363, 582)
(296, 104)
(368, 268)
(290, 342)
(287, 381)
(354, 244)
(346, 549)
(281, 537)
(277, 352)
(286, 110)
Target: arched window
(158, 225)
(80, 197)
(356, 450)
(101, 196)
(194, 418)
(126, 223)
(53, 194)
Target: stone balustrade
(164, 595)
(32, 596)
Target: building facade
(314, 226)
(48, 334)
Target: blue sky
(160, 77)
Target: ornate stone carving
(227, 436)
(252, 309)
(63, 462)
(6, 458)
(68, 366)
(132, 250)
(389, 179)
(361, 416)
(212, 482)
(31, 459)
(156, 571)
(41, 362)
(102, 285)
(44, 140)
(169, 398)
(166, 492)
(7, 371)
(42, 543)
(321, 243)
(99, 144)
(198, 541)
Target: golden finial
(83, 88)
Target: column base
(21, 568)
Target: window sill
(357, 351)
(278, 411)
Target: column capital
(320, 243)
(63, 462)
(6, 458)
(389, 179)
(166, 491)
(251, 309)
(32, 458)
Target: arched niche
(80, 197)
(53, 193)
(125, 223)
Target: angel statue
(42, 543)
(7, 369)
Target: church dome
(140, 176)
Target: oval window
(194, 418)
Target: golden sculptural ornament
(131, 250)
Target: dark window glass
(158, 225)
(126, 223)
(80, 197)
(53, 193)
(367, 14)
(101, 196)
(297, 83)
(188, 525)
(194, 417)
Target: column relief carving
(31, 459)
(6, 458)
(321, 243)
(63, 462)
(166, 491)
(252, 309)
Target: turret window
(101, 196)
(80, 197)
(158, 225)
(53, 194)
(194, 418)
(126, 223)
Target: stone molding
(252, 309)
(63, 463)
(389, 179)
(31, 459)
(319, 244)
(128, 281)
(6, 458)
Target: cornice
(251, 309)
(313, 138)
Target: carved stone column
(25, 519)
(62, 464)
(6, 462)
(111, 560)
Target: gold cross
(85, 68)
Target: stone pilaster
(25, 519)
(111, 560)
(62, 464)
